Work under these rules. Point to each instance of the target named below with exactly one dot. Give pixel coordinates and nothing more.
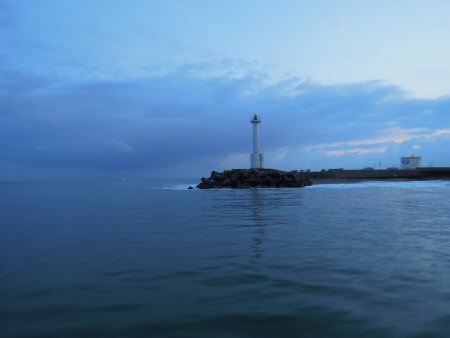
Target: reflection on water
(258, 204)
(255, 209)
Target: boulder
(253, 178)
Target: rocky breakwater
(254, 178)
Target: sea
(150, 258)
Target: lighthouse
(257, 157)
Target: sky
(142, 88)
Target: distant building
(410, 162)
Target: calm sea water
(151, 259)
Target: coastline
(349, 176)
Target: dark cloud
(181, 118)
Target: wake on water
(384, 184)
(174, 187)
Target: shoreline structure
(340, 175)
(272, 178)
(259, 177)
(254, 178)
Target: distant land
(273, 178)
(259, 177)
(420, 173)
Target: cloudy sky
(141, 88)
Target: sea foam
(384, 184)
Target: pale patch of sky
(357, 151)
(401, 42)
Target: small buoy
(190, 187)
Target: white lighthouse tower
(257, 157)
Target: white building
(410, 162)
(257, 157)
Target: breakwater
(423, 173)
(272, 178)
(254, 178)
